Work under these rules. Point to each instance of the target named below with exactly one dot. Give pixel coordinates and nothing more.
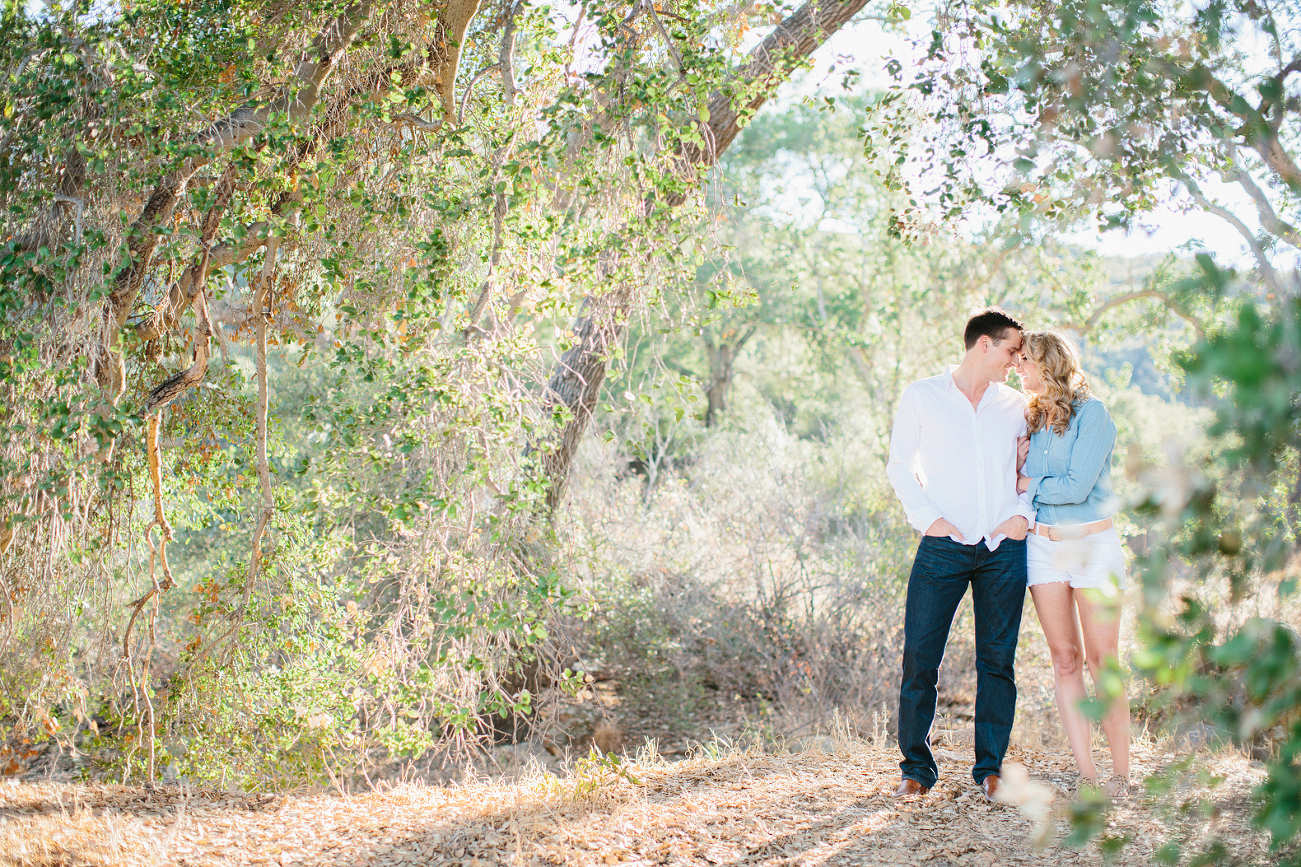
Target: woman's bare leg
(1101, 625)
(1055, 605)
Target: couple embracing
(1009, 491)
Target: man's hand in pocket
(944, 527)
(1014, 527)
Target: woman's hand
(1022, 483)
(1022, 451)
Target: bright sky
(865, 46)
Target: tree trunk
(720, 380)
(722, 357)
(576, 381)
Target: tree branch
(261, 300)
(469, 90)
(506, 54)
(1258, 251)
(1266, 104)
(664, 34)
(1269, 218)
(296, 102)
(255, 235)
(1258, 134)
(1118, 300)
(770, 63)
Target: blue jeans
(940, 575)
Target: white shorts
(1097, 561)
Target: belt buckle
(1054, 534)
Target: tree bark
(575, 384)
(770, 63)
(453, 23)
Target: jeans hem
(920, 778)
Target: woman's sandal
(1117, 787)
(1085, 785)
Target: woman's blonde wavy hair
(1065, 387)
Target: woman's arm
(1093, 445)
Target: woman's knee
(1067, 659)
(1099, 659)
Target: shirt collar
(951, 385)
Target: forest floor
(828, 804)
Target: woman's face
(1029, 373)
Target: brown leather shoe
(990, 786)
(910, 789)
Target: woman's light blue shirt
(1070, 474)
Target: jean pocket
(942, 547)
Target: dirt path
(808, 808)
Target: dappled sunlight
(738, 807)
(427, 403)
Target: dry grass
(827, 805)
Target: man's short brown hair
(992, 322)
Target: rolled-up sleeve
(1093, 445)
(905, 441)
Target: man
(953, 457)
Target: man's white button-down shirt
(951, 460)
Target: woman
(1075, 562)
